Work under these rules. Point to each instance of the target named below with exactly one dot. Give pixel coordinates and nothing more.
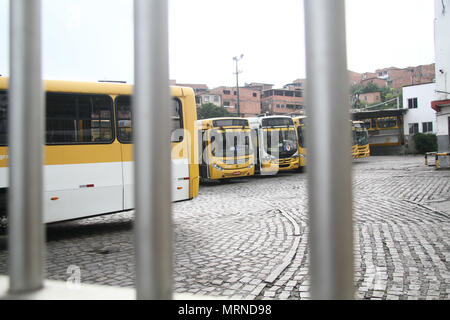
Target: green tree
(425, 142)
(210, 110)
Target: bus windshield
(230, 143)
(362, 137)
(280, 142)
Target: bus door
(204, 153)
(256, 148)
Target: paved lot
(248, 238)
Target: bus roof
(111, 88)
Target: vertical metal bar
(329, 145)
(26, 137)
(151, 103)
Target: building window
(216, 98)
(427, 127)
(412, 103)
(254, 94)
(279, 93)
(413, 128)
(206, 98)
(226, 103)
(226, 91)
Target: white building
(441, 101)
(211, 98)
(419, 117)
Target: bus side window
(124, 119)
(3, 118)
(78, 118)
(177, 133)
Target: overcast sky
(93, 39)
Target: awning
(436, 105)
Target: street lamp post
(237, 84)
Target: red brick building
(282, 101)
(249, 100)
(370, 97)
(397, 78)
(394, 77)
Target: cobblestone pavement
(248, 238)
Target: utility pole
(237, 84)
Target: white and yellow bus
(299, 123)
(89, 152)
(225, 148)
(275, 141)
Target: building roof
(377, 113)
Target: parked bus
(299, 123)
(275, 139)
(362, 139)
(88, 167)
(226, 148)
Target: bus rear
(225, 148)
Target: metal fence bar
(151, 101)
(26, 138)
(329, 159)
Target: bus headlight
(217, 167)
(269, 158)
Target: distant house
(370, 97)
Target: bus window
(78, 119)
(301, 137)
(3, 118)
(124, 120)
(177, 133)
(123, 109)
(387, 123)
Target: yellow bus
(362, 139)
(299, 123)
(226, 148)
(384, 131)
(275, 141)
(88, 167)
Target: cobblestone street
(248, 238)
